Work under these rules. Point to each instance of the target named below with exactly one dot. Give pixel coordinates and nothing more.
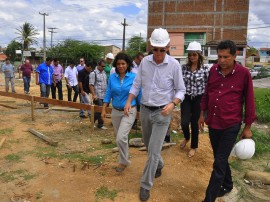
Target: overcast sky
(100, 20)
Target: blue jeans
(97, 115)
(26, 83)
(45, 92)
(222, 142)
(11, 80)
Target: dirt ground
(32, 170)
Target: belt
(152, 108)
(122, 109)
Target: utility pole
(124, 34)
(44, 35)
(51, 30)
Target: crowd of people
(154, 85)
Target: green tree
(73, 50)
(11, 50)
(136, 44)
(251, 51)
(27, 35)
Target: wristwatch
(174, 103)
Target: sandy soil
(32, 170)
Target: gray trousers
(122, 125)
(154, 129)
(11, 80)
(85, 100)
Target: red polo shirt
(26, 70)
(225, 96)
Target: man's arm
(81, 88)
(92, 90)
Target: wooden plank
(7, 101)
(43, 137)
(32, 108)
(2, 141)
(92, 117)
(7, 106)
(16, 95)
(67, 109)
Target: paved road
(262, 83)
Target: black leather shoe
(158, 173)
(223, 191)
(144, 194)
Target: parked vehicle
(253, 73)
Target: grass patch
(262, 100)
(262, 142)
(6, 131)
(135, 135)
(46, 152)
(13, 175)
(236, 164)
(13, 157)
(95, 160)
(104, 193)
(108, 146)
(39, 195)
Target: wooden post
(32, 108)
(92, 117)
(43, 137)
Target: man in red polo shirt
(26, 69)
(228, 89)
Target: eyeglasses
(192, 54)
(81, 61)
(103, 66)
(162, 50)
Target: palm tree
(27, 33)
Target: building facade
(205, 21)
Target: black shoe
(144, 194)
(223, 191)
(158, 172)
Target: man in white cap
(108, 67)
(161, 80)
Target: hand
(37, 83)
(246, 133)
(201, 123)
(167, 109)
(127, 108)
(94, 97)
(54, 84)
(69, 86)
(83, 93)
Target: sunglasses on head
(162, 50)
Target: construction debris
(164, 146)
(7, 106)
(43, 137)
(106, 141)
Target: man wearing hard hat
(228, 89)
(108, 67)
(161, 80)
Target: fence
(33, 99)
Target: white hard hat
(194, 46)
(159, 38)
(244, 149)
(110, 55)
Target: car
(257, 67)
(253, 73)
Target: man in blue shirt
(44, 78)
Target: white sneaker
(104, 128)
